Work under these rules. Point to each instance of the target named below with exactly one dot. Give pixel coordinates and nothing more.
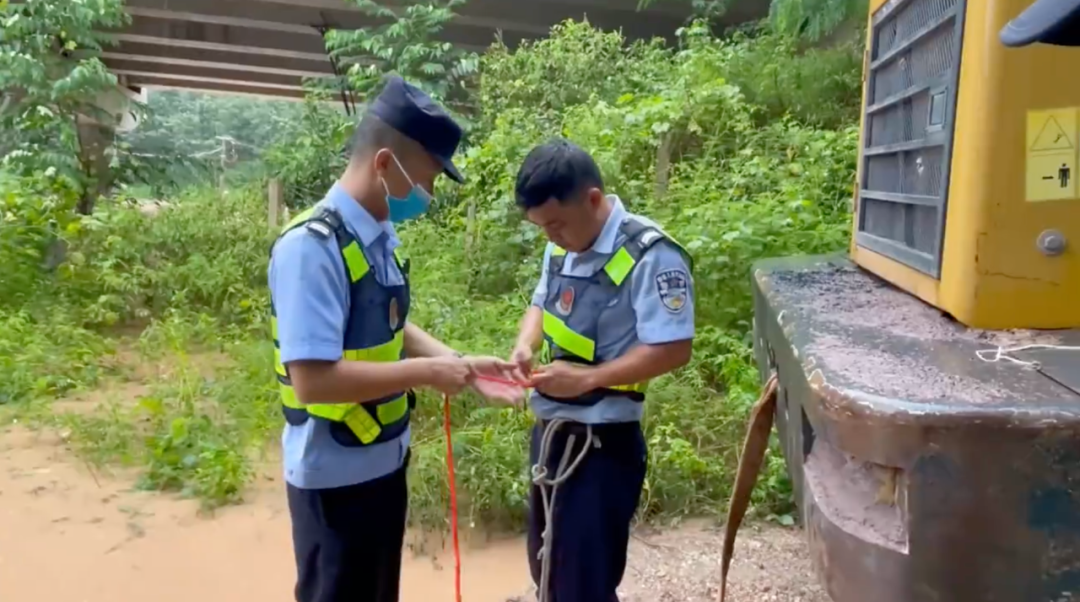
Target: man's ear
(596, 197)
(381, 160)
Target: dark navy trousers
(347, 540)
(593, 511)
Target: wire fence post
(275, 202)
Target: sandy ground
(103, 542)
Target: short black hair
(558, 169)
(373, 134)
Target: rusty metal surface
(1062, 367)
(923, 473)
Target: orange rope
(453, 482)
(453, 498)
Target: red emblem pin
(566, 301)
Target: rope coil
(541, 480)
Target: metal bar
(165, 82)
(952, 91)
(934, 139)
(135, 76)
(172, 15)
(484, 22)
(899, 252)
(904, 95)
(141, 39)
(899, 197)
(164, 60)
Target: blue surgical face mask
(414, 204)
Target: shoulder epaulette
(640, 237)
(324, 223)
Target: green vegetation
(743, 147)
(405, 45)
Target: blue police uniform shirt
(310, 291)
(655, 323)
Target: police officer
(613, 309)
(340, 301)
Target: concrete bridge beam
(269, 46)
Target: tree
(309, 161)
(814, 19)
(405, 45)
(52, 77)
(809, 19)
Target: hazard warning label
(1051, 155)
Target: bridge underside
(267, 47)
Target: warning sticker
(1051, 155)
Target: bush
(206, 252)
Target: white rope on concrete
(1005, 354)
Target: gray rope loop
(541, 480)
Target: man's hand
(448, 374)
(522, 358)
(490, 365)
(504, 374)
(562, 379)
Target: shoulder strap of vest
(403, 261)
(320, 221)
(556, 259)
(640, 237)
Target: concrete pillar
(95, 139)
(97, 134)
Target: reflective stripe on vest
(557, 333)
(366, 421)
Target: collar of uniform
(609, 234)
(358, 220)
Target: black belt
(573, 427)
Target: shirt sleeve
(310, 295)
(663, 296)
(542, 287)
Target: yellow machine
(968, 189)
(934, 448)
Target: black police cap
(1054, 22)
(412, 112)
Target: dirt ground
(104, 542)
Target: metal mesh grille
(910, 100)
(931, 59)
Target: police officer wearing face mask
(612, 310)
(348, 358)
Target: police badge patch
(673, 288)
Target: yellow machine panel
(967, 191)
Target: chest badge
(565, 304)
(395, 314)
